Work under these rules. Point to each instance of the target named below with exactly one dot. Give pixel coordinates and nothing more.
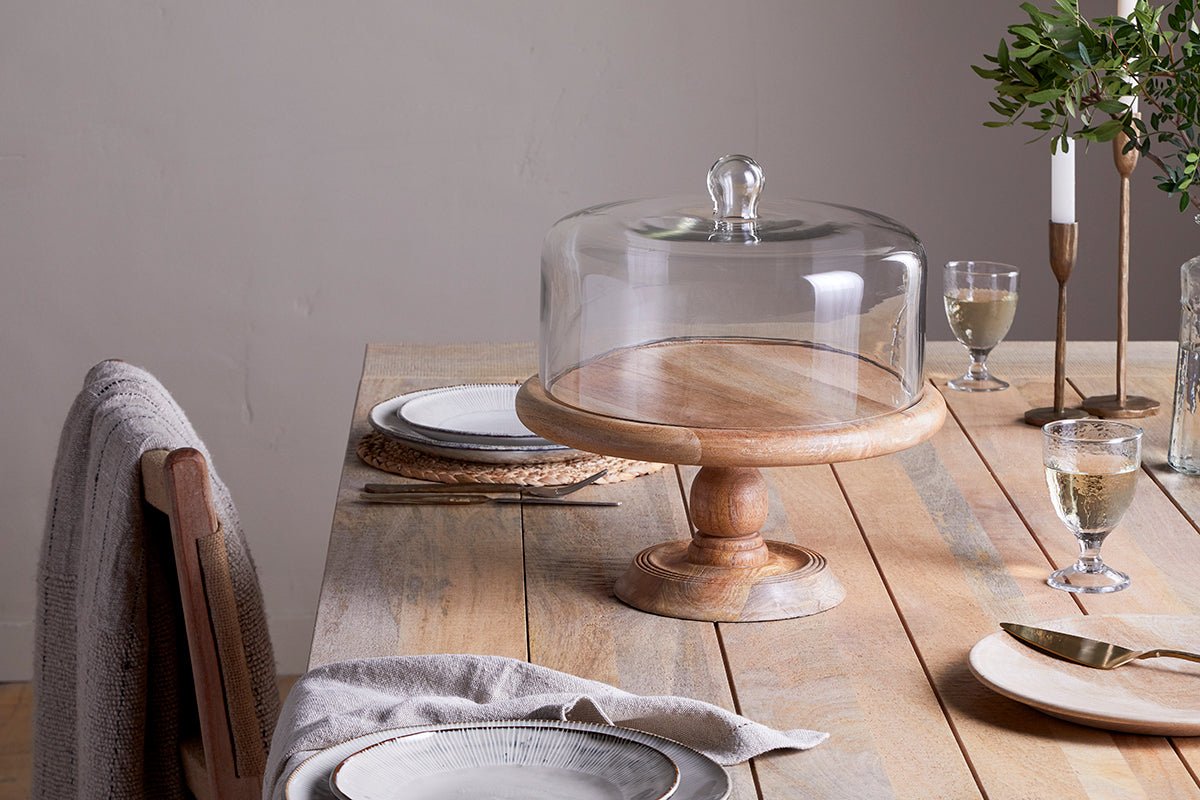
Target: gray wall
(238, 196)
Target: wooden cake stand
(674, 402)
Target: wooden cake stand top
(730, 403)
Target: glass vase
(1183, 453)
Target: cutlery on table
(483, 488)
(1088, 652)
(445, 499)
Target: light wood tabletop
(935, 545)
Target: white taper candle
(1062, 184)
(1124, 9)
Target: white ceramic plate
(507, 763)
(700, 778)
(482, 413)
(383, 418)
(1157, 696)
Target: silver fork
(483, 488)
(563, 491)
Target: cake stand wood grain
(727, 572)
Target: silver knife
(1088, 652)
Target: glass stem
(1089, 553)
(978, 370)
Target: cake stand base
(727, 571)
(794, 582)
(1109, 406)
(1047, 414)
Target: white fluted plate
(383, 418)
(507, 763)
(700, 778)
(476, 413)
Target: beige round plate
(1156, 695)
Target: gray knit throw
(113, 692)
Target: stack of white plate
(526, 759)
(468, 422)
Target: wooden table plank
(573, 558)
(851, 670)
(1155, 541)
(935, 545)
(1150, 373)
(404, 580)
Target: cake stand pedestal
(727, 572)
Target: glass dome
(731, 314)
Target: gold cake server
(1089, 652)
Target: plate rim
(716, 771)
(399, 428)
(663, 757)
(433, 430)
(1072, 711)
(383, 419)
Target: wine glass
(1091, 469)
(981, 299)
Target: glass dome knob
(734, 182)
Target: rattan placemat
(389, 455)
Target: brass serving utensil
(1088, 652)
(446, 499)
(483, 488)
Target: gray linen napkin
(340, 701)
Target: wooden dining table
(935, 545)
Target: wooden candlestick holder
(1122, 405)
(727, 571)
(1064, 240)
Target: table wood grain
(935, 545)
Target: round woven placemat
(389, 455)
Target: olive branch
(1076, 75)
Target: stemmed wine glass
(1091, 469)
(981, 299)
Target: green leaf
(1184, 199)
(1111, 106)
(994, 124)
(1024, 74)
(1107, 131)
(1002, 55)
(1044, 96)
(1033, 11)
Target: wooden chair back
(231, 762)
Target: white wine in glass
(981, 301)
(1091, 471)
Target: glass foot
(969, 384)
(1074, 579)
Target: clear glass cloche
(738, 311)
